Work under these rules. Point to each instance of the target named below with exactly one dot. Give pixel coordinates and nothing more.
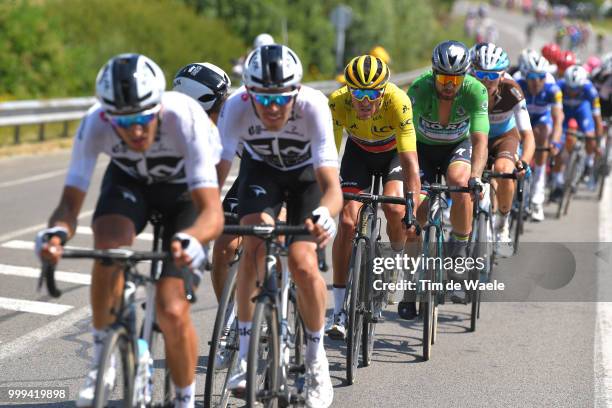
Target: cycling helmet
(572, 124)
(263, 39)
(551, 52)
(366, 72)
(451, 58)
(272, 66)
(592, 63)
(129, 83)
(379, 52)
(536, 63)
(489, 57)
(204, 82)
(525, 55)
(576, 76)
(566, 60)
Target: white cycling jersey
(186, 147)
(307, 137)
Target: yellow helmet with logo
(366, 72)
(379, 52)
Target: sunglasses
(266, 100)
(140, 118)
(490, 75)
(454, 80)
(371, 94)
(536, 75)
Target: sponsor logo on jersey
(281, 153)
(436, 131)
(257, 190)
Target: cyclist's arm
(209, 222)
(223, 168)
(67, 211)
(479, 129)
(557, 114)
(523, 124)
(229, 140)
(596, 108)
(412, 179)
(328, 179)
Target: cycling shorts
(359, 165)
(435, 159)
(124, 195)
(505, 146)
(545, 119)
(584, 117)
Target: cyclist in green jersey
(450, 112)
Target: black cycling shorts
(434, 159)
(230, 203)
(359, 165)
(122, 194)
(264, 189)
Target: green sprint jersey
(469, 112)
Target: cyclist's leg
(260, 198)
(304, 197)
(121, 212)
(172, 306)
(356, 177)
(541, 130)
(504, 151)
(458, 174)
(586, 124)
(226, 245)
(394, 186)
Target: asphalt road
(525, 353)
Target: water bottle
(143, 375)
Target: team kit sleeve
(200, 145)
(324, 153)
(593, 97)
(88, 144)
(479, 115)
(406, 135)
(555, 96)
(227, 132)
(335, 106)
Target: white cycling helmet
(272, 66)
(537, 63)
(129, 83)
(204, 82)
(576, 76)
(489, 57)
(263, 39)
(525, 55)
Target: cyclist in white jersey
(163, 152)
(289, 156)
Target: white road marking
(603, 326)
(20, 244)
(30, 179)
(35, 228)
(60, 276)
(31, 306)
(34, 338)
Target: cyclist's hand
(187, 251)
(49, 244)
(321, 225)
(476, 184)
(555, 148)
(522, 168)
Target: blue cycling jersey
(580, 105)
(539, 105)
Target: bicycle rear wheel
(117, 359)
(427, 301)
(263, 358)
(355, 315)
(223, 353)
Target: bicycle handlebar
(367, 198)
(265, 230)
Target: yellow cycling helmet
(379, 52)
(366, 72)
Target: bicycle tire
(355, 317)
(117, 341)
(372, 300)
(569, 192)
(262, 382)
(214, 396)
(157, 350)
(480, 250)
(518, 217)
(428, 298)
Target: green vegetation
(54, 48)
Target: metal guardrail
(42, 112)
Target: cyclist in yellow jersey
(377, 117)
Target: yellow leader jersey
(391, 125)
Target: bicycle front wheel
(223, 353)
(355, 317)
(118, 366)
(480, 251)
(427, 299)
(263, 359)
